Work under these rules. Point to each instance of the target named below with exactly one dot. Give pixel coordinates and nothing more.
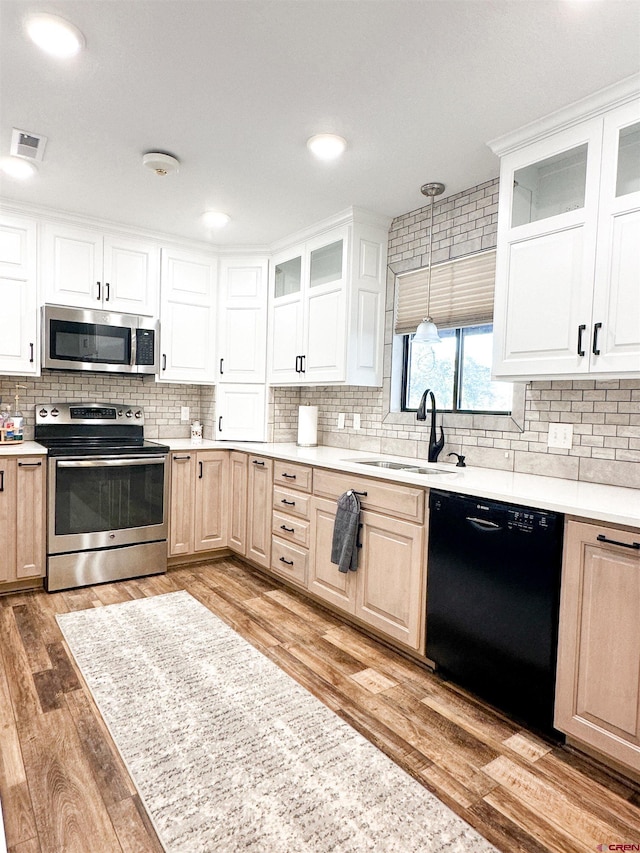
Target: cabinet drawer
(290, 561)
(291, 528)
(292, 475)
(381, 496)
(292, 503)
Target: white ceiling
(234, 88)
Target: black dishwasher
(493, 592)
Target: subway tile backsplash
(161, 402)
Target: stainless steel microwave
(75, 339)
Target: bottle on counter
(18, 417)
(7, 423)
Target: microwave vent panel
(27, 145)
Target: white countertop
(22, 448)
(596, 501)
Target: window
(458, 371)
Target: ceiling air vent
(29, 145)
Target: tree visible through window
(458, 371)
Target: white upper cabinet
(85, 268)
(242, 320)
(567, 299)
(327, 306)
(241, 412)
(18, 296)
(188, 317)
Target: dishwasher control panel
(527, 521)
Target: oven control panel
(85, 413)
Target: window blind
(461, 294)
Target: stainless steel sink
(399, 466)
(380, 463)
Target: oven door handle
(92, 462)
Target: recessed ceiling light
(215, 219)
(326, 146)
(54, 35)
(18, 167)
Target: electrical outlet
(560, 435)
(184, 414)
(341, 417)
(356, 420)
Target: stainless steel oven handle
(92, 462)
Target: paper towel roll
(307, 426)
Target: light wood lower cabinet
(22, 518)
(387, 590)
(238, 474)
(199, 501)
(598, 680)
(292, 484)
(259, 507)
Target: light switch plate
(560, 435)
(341, 416)
(184, 414)
(356, 420)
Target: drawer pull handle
(602, 538)
(257, 462)
(181, 458)
(289, 476)
(288, 529)
(288, 562)
(288, 503)
(363, 494)
(29, 464)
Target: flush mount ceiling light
(54, 35)
(326, 146)
(215, 219)
(427, 332)
(18, 168)
(160, 163)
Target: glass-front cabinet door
(287, 316)
(547, 230)
(616, 299)
(325, 333)
(288, 277)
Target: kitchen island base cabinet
(22, 520)
(199, 487)
(386, 591)
(598, 680)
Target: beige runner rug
(229, 753)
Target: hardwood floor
(64, 788)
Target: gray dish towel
(344, 548)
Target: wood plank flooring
(64, 788)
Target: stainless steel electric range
(107, 494)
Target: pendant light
(427, 333)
